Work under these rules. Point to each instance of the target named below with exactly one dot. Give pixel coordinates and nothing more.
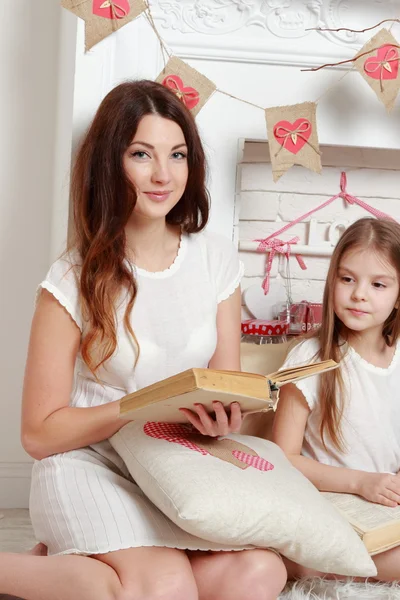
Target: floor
(16, 533)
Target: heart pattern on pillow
(228, 450)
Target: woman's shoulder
(67, 266)
(212, 241)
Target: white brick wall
(263, 207)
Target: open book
(378, 526)
(161, 401)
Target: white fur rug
(314, 588)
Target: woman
(143, 293)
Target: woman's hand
(382, 488)
(222, 424)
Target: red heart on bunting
(384, 65)
(188, 95)
(293, 136)
(111, 9)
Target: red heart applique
(293, 136)
(384, 65)
(188, 95)
(184, 436)
(111, 9)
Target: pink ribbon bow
(277, 246)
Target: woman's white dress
(84, 501)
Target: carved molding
(251, 22)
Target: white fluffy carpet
(314, 588)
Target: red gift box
(264, 327)
(304, 316)
(314, 315)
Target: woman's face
(156, 164)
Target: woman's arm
(226, 357)
(288, 432)
(227, 353)
(49, 425)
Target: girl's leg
(133, 574)
(239, 575)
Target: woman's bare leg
(136, 573)
(243, 575)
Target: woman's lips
(158, 196)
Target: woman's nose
(161, 173)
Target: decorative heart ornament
(384, 65)
(188, 95)
(111, 9)
(293, 136)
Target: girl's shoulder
(305, 351)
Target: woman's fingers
(194, 420)
(221, 418)
(236, 417)
(222, 424)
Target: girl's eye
(179, 155)
(379, 286)
(346, 279)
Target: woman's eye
(139, 154)
(179, 155)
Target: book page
(361, 513)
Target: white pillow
(240, 490)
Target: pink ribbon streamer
(276, 245)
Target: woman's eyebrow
(152, 147)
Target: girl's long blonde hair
(383, 237)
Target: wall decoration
(191, 87)
(292, 130)
(293, 138)
(379, 66)
(272, 244)
(103, 17)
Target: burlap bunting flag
(293, 138)
(191, 87)
(380, 67)
(103, 17)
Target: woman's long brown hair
(383, 237)
(103, 200)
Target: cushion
(239, 490)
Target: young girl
(342, 429)
(142, 294)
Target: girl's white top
(371, 415)
(85, 501)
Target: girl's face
(366, 290)
(156, 164)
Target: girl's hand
(382, 488)
(222, 424)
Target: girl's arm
(226, 357)
(288, 432)
(49, 425)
